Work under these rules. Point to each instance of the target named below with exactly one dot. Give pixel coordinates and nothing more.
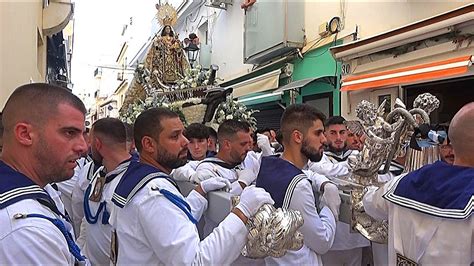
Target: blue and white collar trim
(136, 176)
(438, 189)
(14, 187)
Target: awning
(301, 83)
(267, 81)
(409, 75)
(262, 98)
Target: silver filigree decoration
(426, 102)
(272, 232)
(385, 140)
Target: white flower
(229, 117)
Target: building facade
(42, 51)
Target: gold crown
(166, 14)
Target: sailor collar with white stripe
(221, 163)
(438, 189)
(342, 156)
(15, 186)
(109, 176)
(135, 178)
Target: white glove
(251, 199)
(214, 183)
(264, 144)
(331, 199)
(246, 176)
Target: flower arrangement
(231, 109)
(194, 77)
(154, 101)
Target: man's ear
(98, 143)
(297, 136)
(24, 133)
(148, 144)
(226, 144)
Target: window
(322, 101)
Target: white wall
(21, 60)
(372, 17)
(225, 29)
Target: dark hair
(279, 137)
(299, 117)
(171, 31)
(229, 128)
(196, 131)
(111, 129)
(129, 131)
(212, 132)
(335, 120)
(35, 103)
(263, 130)
(148, 123)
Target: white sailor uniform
(34, 229)
(429, 213)
(347, 246)
(155, 224)
(291, 188)
(97, 206)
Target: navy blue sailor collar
(221, 163)
(109, 176)
(135, 178)
(15, 186)
(438, 189)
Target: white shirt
(77, 198)
(66, 187)
(328, 168)
(152, 230)
(33, 240)
(185, 172)
(430, 240)
(318, 229)
(98, 235)
(345, 239)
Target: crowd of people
(109, 194)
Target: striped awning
(409, 75)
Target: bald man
(43, 138)
(430, 210)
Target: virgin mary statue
(166, 58)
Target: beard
(336, 149)
(236, 157)
(51, 169)
(311, 153)
(171, 161)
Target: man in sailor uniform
(290, 187)
(430, 210)
(66, 188)
(232, 159)
(77, 198)
(41, 146)
(198, 135)
(109, 147)
(347, 247)
(153, 222)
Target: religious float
(167, 79)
